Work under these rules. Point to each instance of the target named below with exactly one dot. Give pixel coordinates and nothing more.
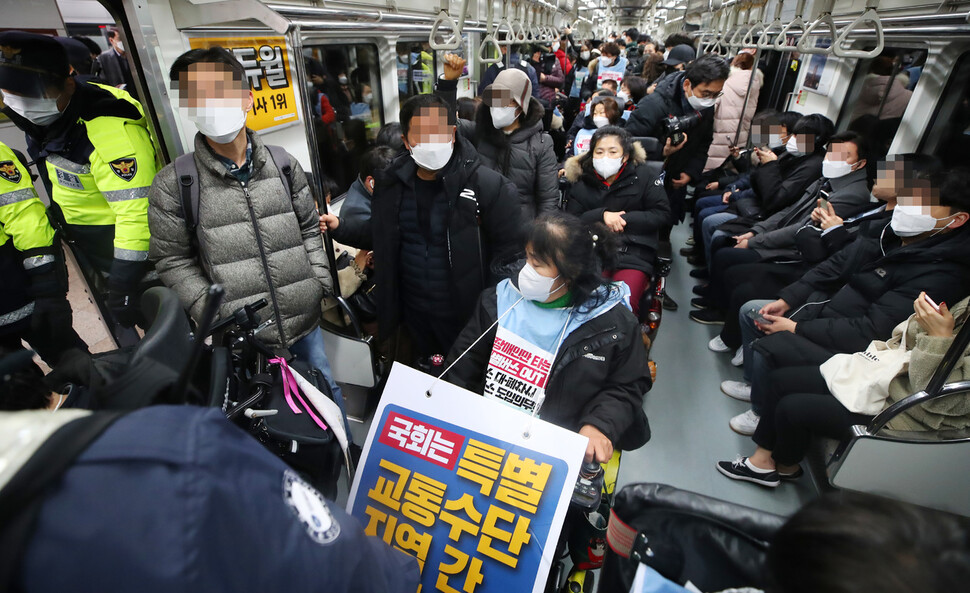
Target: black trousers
(431, 335)
(799, 406)
(748, 282)
(722, 264)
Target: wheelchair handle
(242, 317)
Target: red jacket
(327, 114)
(566, 66)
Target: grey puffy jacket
(255, 241)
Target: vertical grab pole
(316, 183)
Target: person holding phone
(799, 405)
(862, 292)
(844, 180)
(789, 164)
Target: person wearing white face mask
(610, 65)
(611, 183)
(508, 134)
(442, 223)
(691, 92)
(602, 111)
(112, 65)
(554, 308)
(774, 239)
(865, 290)
(100, 160)
(239, 213)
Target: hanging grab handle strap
(871, 16)
(450, 43)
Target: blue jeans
(755, 367)
(310, 349)
(709, 227)
(707, 202)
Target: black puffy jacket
(483, 230)
(525, 157)
(599, 377)
(778, 184)
(637, 191)
(667, 100)
(859, 294)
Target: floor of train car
(689, 414)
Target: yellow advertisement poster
(267, 65)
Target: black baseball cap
(29, 62)
(78, 54)
(680, 54)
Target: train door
(948, 132)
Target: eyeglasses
(709, 95)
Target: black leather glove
(123, 305)
(123, 290)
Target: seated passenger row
(821, 278)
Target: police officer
(33, 303)
(99, 156)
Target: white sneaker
(717, 345)
(738, 359)
(745, 423)
(737, 389)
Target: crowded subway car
(565, 295)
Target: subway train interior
(722, 236)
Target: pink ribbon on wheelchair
(291, 390)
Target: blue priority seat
(926, 468)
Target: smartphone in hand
(932, 303)
(758, 317)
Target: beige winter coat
(945, 414)
(871, 97)
(728, 113)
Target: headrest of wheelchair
(650, 144)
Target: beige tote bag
(860, 381)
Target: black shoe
(702, 290)
(697, 260)
(700, 274)
(707, 317)
(669, 304)
(739, 470)
(687, 251)
(701, 303)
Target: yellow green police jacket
(23, 217)
(102, 167)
